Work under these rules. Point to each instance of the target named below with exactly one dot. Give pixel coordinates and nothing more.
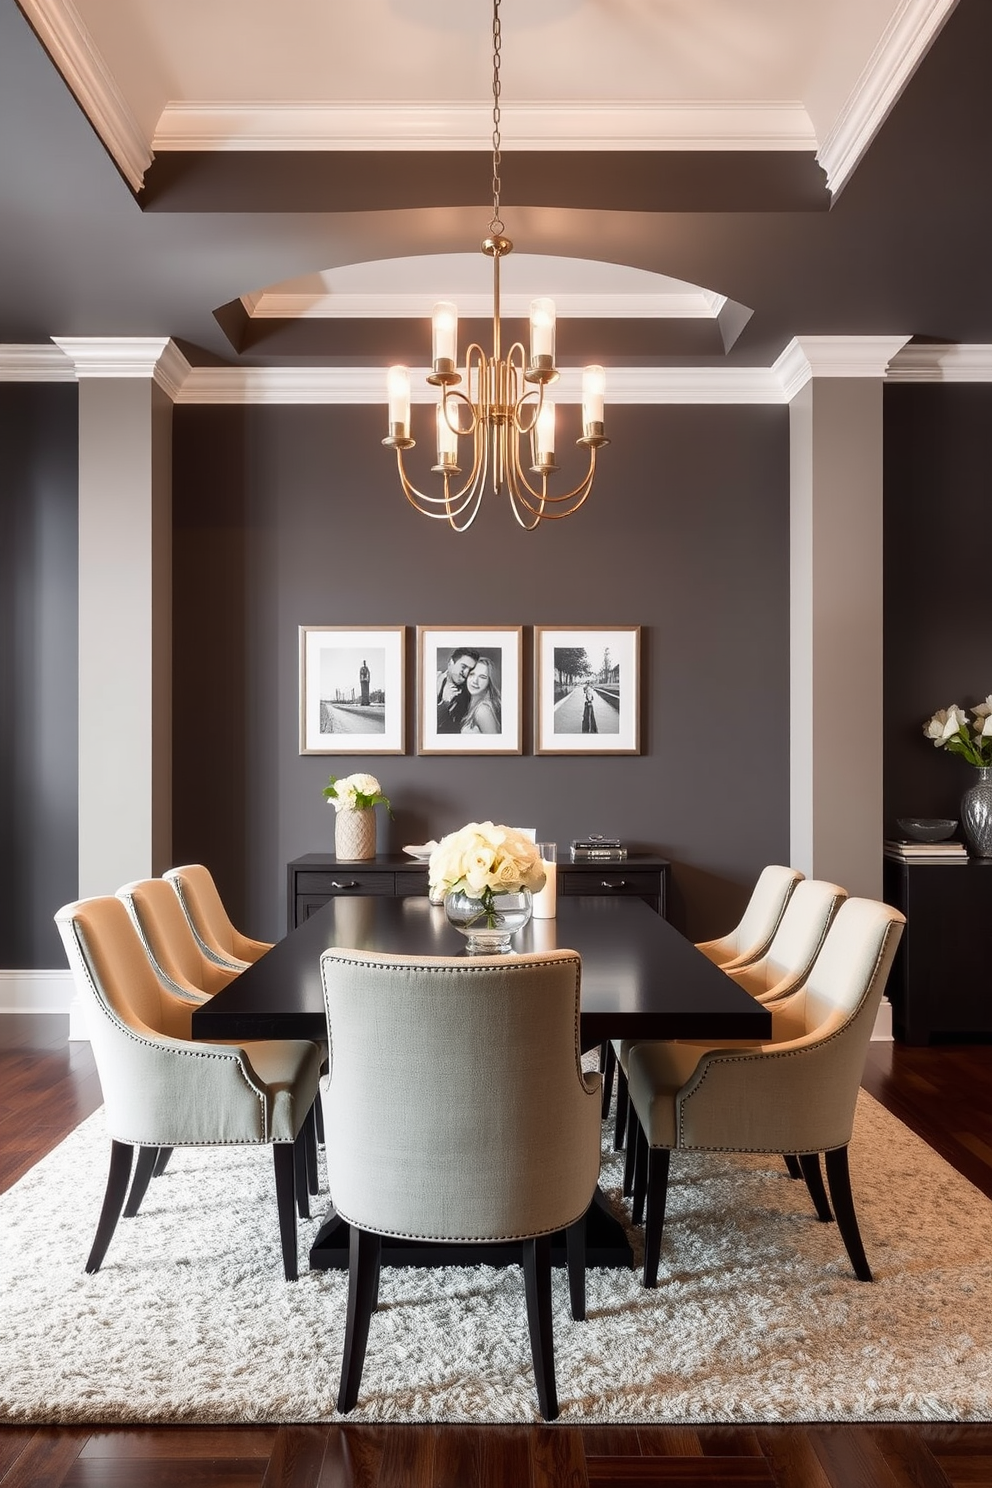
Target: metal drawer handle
(621, 885)
(352, 884)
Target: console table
(315, 878)
(939, 983)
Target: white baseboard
(36, 991)
(882, 1032)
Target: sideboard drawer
(607, 879)
(347, 881)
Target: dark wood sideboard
(940, 985)
(316, 877)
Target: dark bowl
(926, 828)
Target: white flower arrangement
(355, 793)
(483, 859)
(949, 729)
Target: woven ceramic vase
(354, 834)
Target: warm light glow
(445, 323)
(593, 393)
(542, 330)
(447, 439)
(398, 389)
(544, 435)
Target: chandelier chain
(496, 225)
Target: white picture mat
(434, 647)
(558, 727)
(330, 660)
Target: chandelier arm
(525, 493)
(449, 394)
(453, 506)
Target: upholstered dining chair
(161, 1090)
(796, 943)
(752, 936)
(209, 921)
(459, 1111)
(179, 961)
(796, 1094)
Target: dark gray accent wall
(38, 670)
(938, 619)
(293, 515)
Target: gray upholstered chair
(796, 1094)
(752, 936)
(161, 1090)
(208, 919)
(796, 943)
(180, 963)
(459, 1111)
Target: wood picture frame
(352, 689)
(587, 694)
(469, 689)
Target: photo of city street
(587, 691)
(352, 690)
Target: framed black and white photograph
(469, 689)
(587, 689)
(351, 689)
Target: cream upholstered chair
(459, 1111)
(796, 1094)
(204, 909)
(796, 943)
(162, 1090)
(169, 941)
(752, 937)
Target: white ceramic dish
(421, 853)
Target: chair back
(169, 942)
(752, 936)
(209, 920)
(797, 941)
(456, 1096)
(799, 1095)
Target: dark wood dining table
(640, 979)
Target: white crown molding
(367, 385)
(687, 305)
(942, 363)
(807, 357)
(154, 357)
(28, 363)
(578, 125)
(61, 31)
(902, 46)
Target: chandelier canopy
(503, 406)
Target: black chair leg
(640, 1173)
(537, 1285)
(302, 1179)
(575, 1255)
(284, 1161)
(608, 1065)
(622, 1101)
(839, 1179)
(792, 1163)
(809, 1167)
(658, 1163)
(318, 1116)
(144, 1168)
(631, 1152)
(121, 1157)
(363, 1283)
(310, 1136)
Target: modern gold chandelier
(501, 412)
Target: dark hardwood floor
(48, 1085)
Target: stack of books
(926, 852)
(596, 849)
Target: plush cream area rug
(757, 1317)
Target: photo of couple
(469, 689)
(468, 693)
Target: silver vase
(976, 813)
